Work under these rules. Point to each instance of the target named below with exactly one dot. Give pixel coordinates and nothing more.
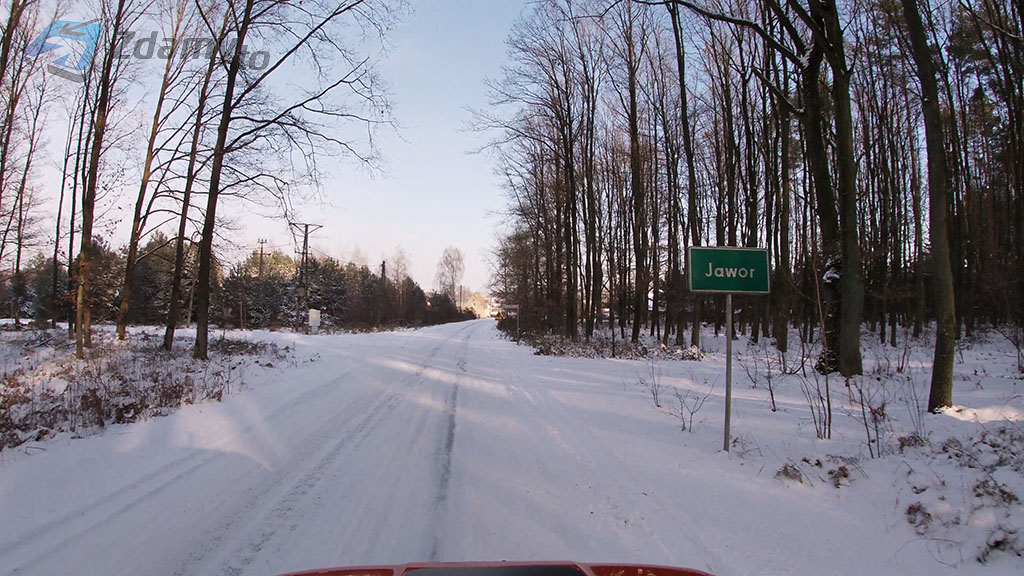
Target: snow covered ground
(450, 443)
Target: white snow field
(450, 444)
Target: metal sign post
(728, 369)
(727, 270)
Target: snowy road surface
(443, 444)
(432, 445)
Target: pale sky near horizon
(434, 192)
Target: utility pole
(304, 265)
(262, 241)
(383, 291)
(305, 261)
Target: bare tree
(116, 19)
(179, 18)
(11, 27)
(15, 82)
(199, 122)
(24, 196)
(631, 31)
(398, 270)
(449, 272)
(692, 215)
(23, 91)
(251, 128)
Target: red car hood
(504, 569)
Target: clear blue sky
(434, 192)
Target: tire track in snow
(581, 443)
(616, 492)
(286, 504)
(278, 518)
(451, 405)
(125, 498)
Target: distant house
(479, 305)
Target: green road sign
(728, 269)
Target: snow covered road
(426, 445)
(445, 443)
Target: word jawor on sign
(728, 270)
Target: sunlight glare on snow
(238, 423)
(985, 415)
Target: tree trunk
(941, 394)
(202, 291)
(638, 193)
(782, 284)
(851, 283)
(82, 143)
(825, 205)
(83, 334)
(692, 220)
(190, 178)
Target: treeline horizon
(627, 130)
(262, 291)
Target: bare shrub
(1015, 336)
(238, 347)
(919, 518)
(872, 398)
(602, 345)
(116, 383)
(651, 381)
(902, 363)
(995, 454)
(92, 410)
(819, 400)
(912, 441)
(805, 355)
(763, 366)
(789, 471)
(690, 403)
(991, 489)
(745, 445)
(839, 476)
(883, 363)
(1002, 538)
(693, 353)
(916, 408)
(751, 367)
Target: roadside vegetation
(46, 392)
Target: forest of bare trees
(874, 147)
(187, 104)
